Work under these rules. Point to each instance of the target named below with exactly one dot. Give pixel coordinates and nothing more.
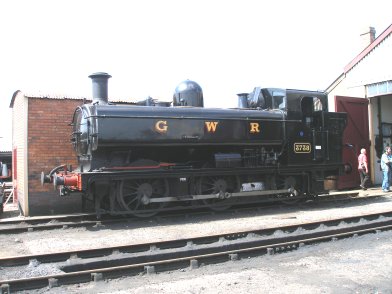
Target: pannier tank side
(150, 156)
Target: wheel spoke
(133, 196)
(131, 201)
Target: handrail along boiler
(145, 157)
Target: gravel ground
(356, 265)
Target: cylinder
(242, 100)
(100, 87)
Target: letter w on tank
(211, 126)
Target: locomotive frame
(144, 158)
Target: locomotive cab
(316, 137)
(267, 99)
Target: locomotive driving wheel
(218, 185)
(135, 196)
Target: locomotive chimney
(242, 100)
(100, 87)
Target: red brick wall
(49, 136)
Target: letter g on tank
(161, 126)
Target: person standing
(363, 168)
(386, 159)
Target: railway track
(103, 263)
(31, 224)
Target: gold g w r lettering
(254, 128)
(161, 126)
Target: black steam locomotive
(143, 158)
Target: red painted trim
(140, 167)
(368, 49)
(14, 163)
(71, 180)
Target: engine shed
(364, 91)
(40, 131)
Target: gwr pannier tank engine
(143, 157)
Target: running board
(218, 196)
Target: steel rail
(64, 222)
(192, 261)
(177, 243)
(15, 226)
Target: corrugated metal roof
(51, 96)
(41, 95)
(64, 97)
(368, 49)
(359, 57)
(72, 97)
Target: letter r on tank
(254, 128)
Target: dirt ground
(355, 265)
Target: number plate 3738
(302, 147)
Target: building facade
(369, 77)
(40, 141)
